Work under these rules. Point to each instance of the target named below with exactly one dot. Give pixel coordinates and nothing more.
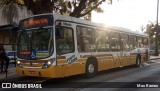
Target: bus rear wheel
(138, 61)
(91, 69)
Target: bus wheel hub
(91, 68)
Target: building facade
(8, 32)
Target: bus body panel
(53, 72)
(66, 65)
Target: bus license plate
(31, 72)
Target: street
(149, 72)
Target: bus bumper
(51, 72)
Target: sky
(131, 14)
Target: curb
(154, 58)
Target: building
(8, 32)
(8, 35)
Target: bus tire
(138, 61)
(91, 68)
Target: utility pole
(157, 32)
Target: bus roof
(96, 25)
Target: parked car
(12, 55)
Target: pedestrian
(3, 58)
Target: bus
(57, 46)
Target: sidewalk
(11, 72)
(154, 57)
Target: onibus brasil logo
(15, 85)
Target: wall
(7, 37)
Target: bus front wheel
(91, 69)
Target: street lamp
(157, 32)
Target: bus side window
(131, 39)
(145, 42)
(59, 33)
(115, 41)
(124, 42)
(140, 44)
(102, 41)
(85, 39)
(133, 42)
(64, 40)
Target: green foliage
(75, 8)
(151, 30)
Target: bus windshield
(35, 43)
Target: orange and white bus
(53, 45)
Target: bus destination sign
(31, 22)
(37, 21)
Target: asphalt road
(121, 79)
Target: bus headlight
(19, 64)
(48, 64)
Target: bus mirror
(60, 33)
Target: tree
(151, 31)
(9, 10)
(75, 8)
